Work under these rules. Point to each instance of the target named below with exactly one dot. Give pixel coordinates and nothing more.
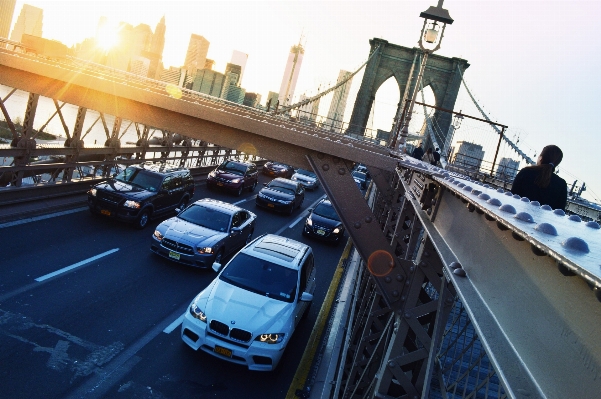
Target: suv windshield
(326, 211)
(206, 217)
(141, 178)
(233, 167)
(261, 277)
(306, 173)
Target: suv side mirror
(216, 266)
(306, 297)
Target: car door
(237, 237)
(163, 197)
(306, 284)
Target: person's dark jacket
(555, 194)
(418, 153)
(436, 157)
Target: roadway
(109, 326)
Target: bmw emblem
(233, 322)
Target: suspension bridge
(459, 289)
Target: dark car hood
(227, 175)
(276, 194)
(325, 222)
(125, 190)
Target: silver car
(306, 178)
(205, 232)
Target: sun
(107, 38)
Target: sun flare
(107, 38)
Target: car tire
(252, 188)
(142, 220)
(239, 192)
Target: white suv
(248, 313)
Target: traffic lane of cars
(189, 370)
(121, 296)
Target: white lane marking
(304, 214)
(174, 325)
(35, 219)
(245, 199)
(83, 262)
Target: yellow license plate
(271, 205)
(174, 255)
(223, 351)
(105, 212)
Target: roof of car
(225, 207)
(281, 250)
(160, 167)
(285, 181)
(239, 162)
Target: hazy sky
(534, 65)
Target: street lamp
(435, 21)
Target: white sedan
(249, 312)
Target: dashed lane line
(42, 217)
(76, 265)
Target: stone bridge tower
(441, 74)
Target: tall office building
(7, 10)
(251, 99)
(338, 104)
(157, 45)
(198, 48)
(308, 112)
(29, 21)
(232, 83)
(469, 155)
(208, 82)
(272, 99)
(239, 58)
(295, 59)
(507, 169)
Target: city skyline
(522, 56)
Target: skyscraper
(308, 112)
(231, 85)
(29, 21)
(7, 10)
(239, 58)
(157, 44)
(198, 48)
(295, 59)
(338, 104)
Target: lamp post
(455, 125)
(435, 21)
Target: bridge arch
(442, 74)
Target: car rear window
(261, 277)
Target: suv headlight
(132, 204)
(197, 313)
(92, 192)
(271, 338)
(158, 235)
(236, 181)
(204, 250)
(336, 230)
(309, 221)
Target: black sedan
(323, 223)
(282, 195)
(277, 169)
(205, 232)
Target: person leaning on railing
(539, 183)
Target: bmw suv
(142, 192)
(234, 176)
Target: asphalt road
(86, 310)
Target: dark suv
(234, 176)
(141, 192)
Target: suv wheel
(183, 203)
(239, 192)
(142, 220)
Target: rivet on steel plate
(516, 236)
(575, 218)
(476, 192)
(500, 190)
(546, 228)
(341, 171)
(576, 244)
(395, 293)
(534, 203)
(494, 202)
(387, 279)
(467, 188)
(400, 277)
(407, 315)
(461, 185)
(391, 364)
(537, 251)
(559, 212)
(489, 217)
(484, 196)
(357, 225)
(459, 272)
(593, 225)
(368, 219)
(426, 254)
(563, 269)
(501, 226)
(471, 207)
(508, 209)
(546, 208)
(455, 265)
(524, 199)
(516, 196)
(524, 217)
(508, 193)
(325, 167)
